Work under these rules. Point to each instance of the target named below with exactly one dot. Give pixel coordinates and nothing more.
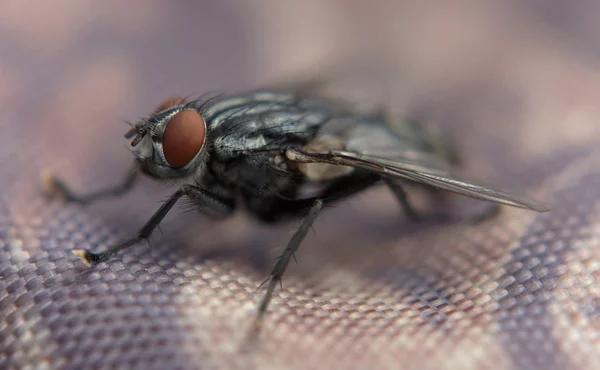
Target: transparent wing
(421, 167)
(403, 148)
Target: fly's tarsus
(53, 185)
(89, 258)
(284, 259)
(191, 191)
(92, 259)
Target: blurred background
(510, 71)
(515, 83)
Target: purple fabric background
(516, 85)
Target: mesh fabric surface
(371, 290)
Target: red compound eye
(184, 135)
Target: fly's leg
(54, 185)
(402, 198)
(197, 195)
(491, 211)
(284, 259)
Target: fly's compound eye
(184, 137)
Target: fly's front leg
(197, 195)
(54, 185)
(284, 260)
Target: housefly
(282, 154)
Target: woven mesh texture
(371, 290)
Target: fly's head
(171, 142)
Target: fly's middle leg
(55, 185)
(284, 259)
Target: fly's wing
(377, 148)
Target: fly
(265, 148)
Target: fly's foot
(89, 258)
(52, 186)
(92, 259)
(256, 327)
(48, 182)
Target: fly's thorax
(250, 176)
(271, 129)
(171, 142)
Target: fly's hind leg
(55, 185)
(491, 210)
(402, 198)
